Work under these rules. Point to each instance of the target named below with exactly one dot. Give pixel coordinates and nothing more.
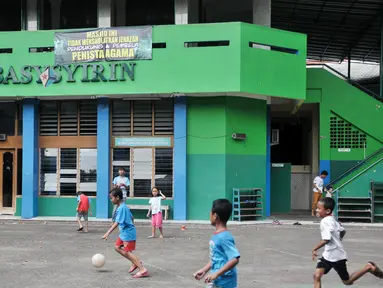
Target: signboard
(143, 142)
(104, 44)
(344, 150)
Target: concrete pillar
(104, 13)
(56, 13)
(181, 11)
(32, 16)
(103, 158)
(180, 168)
(120, 9)
(30, 161)
(262, 12)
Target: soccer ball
(98, 260)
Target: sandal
(152, 236)
(133, 268)
(141, 275)
(378, 273)
(80, 229)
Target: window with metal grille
(163, 117)
(142, 171)
(121, 118)
(344, 135)
(48, 118)
(68, 118)
(48, 171)
(88, 118)
(163, 174)
(68, 171)
(88, 171)
(142, 118)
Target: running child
(126, 242)
(155, 209)
(334, 255)
(83, 207)
(224, 256)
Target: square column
(180, 132)
(104, 13)
(32, 23)
(30, 160)
(103, 158)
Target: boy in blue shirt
(126, 242)
(224, 256)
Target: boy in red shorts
(126, 242)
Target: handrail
(344, 174)
(357, 175)
(351, 82)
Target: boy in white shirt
(334, 255)
(318, 190)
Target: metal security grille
(88, 118)
(121, 118)
(48, 118)
(163, 117)
(68, 171)
(344, 135)
(142, 118)
(68, 118)
(301, 191)
(142, 166)
(163, 173)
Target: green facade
(216, 162)
(175, 69)
(224, 86)
(342, 101)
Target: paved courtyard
(38, 254)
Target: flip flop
(133, 268)
(378, 273)
(150, 237)
(141, 275)
(80, 229)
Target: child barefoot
(155, 208)
(334, 255)
(126, 242)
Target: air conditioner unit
(3, 137)
(274, 136)
(238, 136)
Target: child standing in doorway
(155, 209)
(318, 190)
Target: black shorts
(340, 267)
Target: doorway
(7, 180)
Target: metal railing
(344, 77)
(344, 174)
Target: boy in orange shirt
(83, 207)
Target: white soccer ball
(98, 260)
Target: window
(344, 135)
(65, 171)
(48, 171)
(164, 170)
(68, 118)
(149, 118)
(88, 171)
(142, 172)
(7, 118)
(145, 167)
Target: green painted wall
(233, 68)
(338, 98)
(215, 162)
(66, 207)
